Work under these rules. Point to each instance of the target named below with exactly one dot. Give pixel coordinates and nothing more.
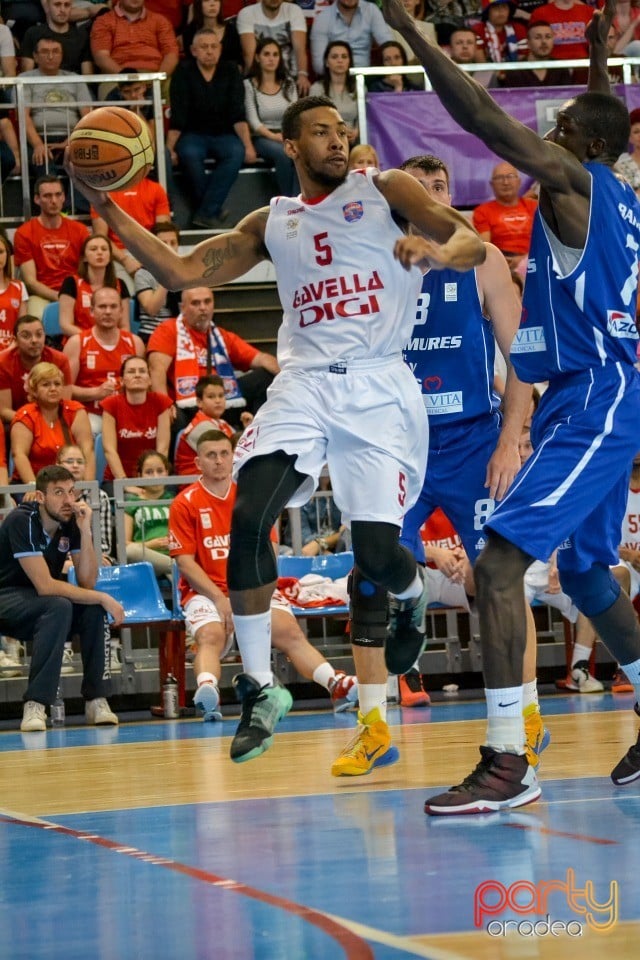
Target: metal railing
(361, 73)
(20, 105)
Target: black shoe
(500, 781)
(406, 631)
(628, 769)
(262, 708)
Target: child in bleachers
(147, 527)
(363, 156)
(211, 403)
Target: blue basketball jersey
(451, 351)
(587, 318)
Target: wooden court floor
(147, 843)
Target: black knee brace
(265, 486)
(368, 611)
(380, 556)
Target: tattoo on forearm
(214, 258)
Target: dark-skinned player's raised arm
(563, 178)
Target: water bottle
(57, 711)
(170, 697)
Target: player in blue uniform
(579, 333)
(473, 449)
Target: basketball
(111, 149)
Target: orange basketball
(111, 149)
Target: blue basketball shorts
(572, 492)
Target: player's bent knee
(368, 610)
(211, 636)
(500, 566)
(593, 591)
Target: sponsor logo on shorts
(353, 211)
(437, 404)
(529, 340)
(620, 325)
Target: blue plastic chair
(134, 585)
(101, 460)
(332, 565)
(51, 320)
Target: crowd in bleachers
(282, 50)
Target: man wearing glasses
(507, 220)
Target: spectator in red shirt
(211, 403)
(47, 247)
(96, 269)
(147, 202)
(130, 34)
(18, 360)
(506, 221)
(192, 346)
(568, 19)
(13, 295)
(134, 420)
(96, 355)
(41, 428)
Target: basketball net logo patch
(353, 211)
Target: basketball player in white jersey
(348, 282)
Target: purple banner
(416, 122)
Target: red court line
(355, 948)
(563, 833)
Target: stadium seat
(134, 585)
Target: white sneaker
(8, 666)
(34, 717)
(67, 661)
(207, 700)
(582, 681)
(98, 712)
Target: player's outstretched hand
(395, 14)
(95, 197)
(597, 30)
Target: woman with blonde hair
(96, 268)
(46, 424)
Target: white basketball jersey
(630, 535)
(343, 294)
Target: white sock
(529, 694)
(324, 674)
(580, 653)
(253, 634)
(632, 670)
(205, 677)
(505, 723)
(413, 590)
(371, 695)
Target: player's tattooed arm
(228, 255)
